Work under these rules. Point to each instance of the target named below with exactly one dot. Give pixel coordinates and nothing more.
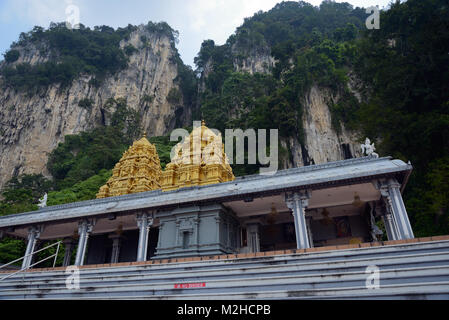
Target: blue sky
(196, 20)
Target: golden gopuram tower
(199, 160)
(138, 170)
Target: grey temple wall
(196, 231)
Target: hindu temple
(194, 230)
(196, 207)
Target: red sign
(190, 285)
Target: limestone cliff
(256, 60)
(32, 126)
(322, 142)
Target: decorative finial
(203, 123)
(144, 135)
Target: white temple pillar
(33, 234)
(298, 202)
(396, 216)
(390, 226)
(84, 229)
(144, 222)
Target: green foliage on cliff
(404, 71)
(313, 46)
(22, 193)
(83, 155)
(400, 69)
(72, 52)
(12, 56)
(174, 96)
(11, 249)
(91, 51)
(84, 190)
(85, 103)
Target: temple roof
(314, 177)
(138, 170)
(199, 160)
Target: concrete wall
(196, 231)
(322, 232)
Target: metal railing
(55, 255)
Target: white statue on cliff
(369, 148)
(43, 201)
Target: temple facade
(196, 207)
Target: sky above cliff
(196, 20)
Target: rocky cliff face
(257, 60)
(322, 142)
(32, 126)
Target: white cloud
(218, 19)
(35, 12)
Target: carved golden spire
(199, 160)
(138, 170)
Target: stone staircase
(418, 270)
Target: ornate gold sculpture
(139, 170)
(199, 160)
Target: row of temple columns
(85, 227)
(394, 213)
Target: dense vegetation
(79, 167)
(312, 46)
(94, 52)
(405, 76)
(401, 70)
(71, 52)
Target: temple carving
(138, 170)
(198, 160)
